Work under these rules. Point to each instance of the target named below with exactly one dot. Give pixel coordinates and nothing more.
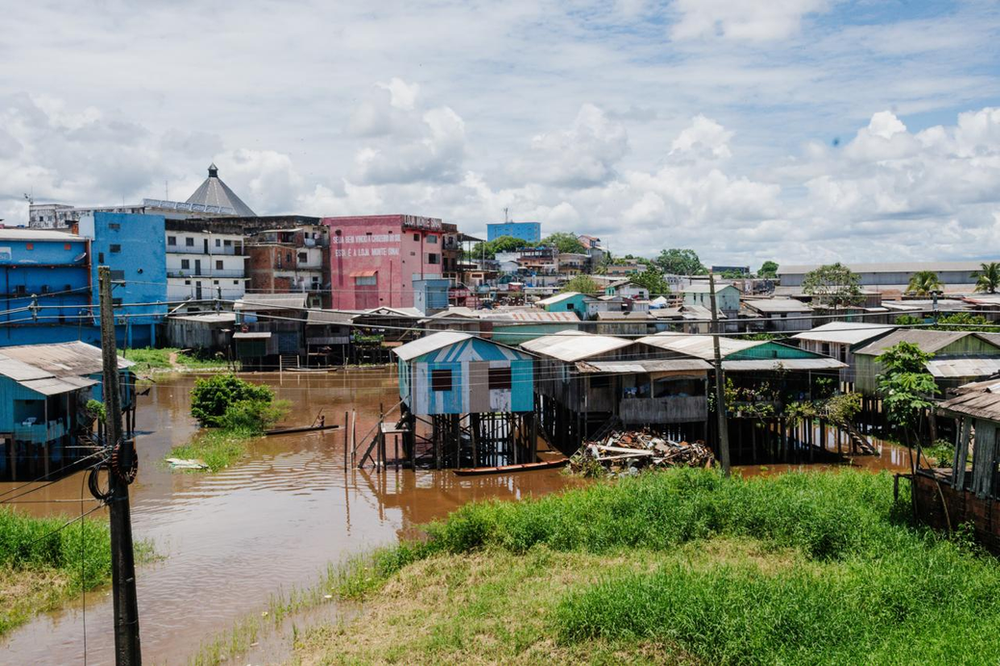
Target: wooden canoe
(508, 469)
(289, 431)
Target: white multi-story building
(204, 262)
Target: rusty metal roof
(55, 368)
(980, 400)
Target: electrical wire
(42, 478)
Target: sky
(800, 131)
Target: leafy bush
(252, 416)
(212, 396)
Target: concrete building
(46, 287)
(956, 276)
(374, 259)
(134, 247)
(527, 231)
(204, 261)
(291, 260)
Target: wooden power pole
(720, 389)
(126, 608)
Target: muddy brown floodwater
(273, 520)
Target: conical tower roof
(214, 192)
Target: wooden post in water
(346, 437)
(720, 392)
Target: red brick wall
(933, 496)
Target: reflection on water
(273, 520)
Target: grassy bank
(217, 448)
(160, 359)
(681, 566)
(38, 573)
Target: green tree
(906, 387)
(833, 285)
(652, 280)
(768, 270)
(965, 321)
(680, 262)
(924, 283)
(607, 259)
(988, 277)
(489, 249)
(564, 242)
(583, 284)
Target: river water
(229, 540)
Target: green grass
(159, 359)
(39, 572)
(683, 565)
(217, 448)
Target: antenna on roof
(505, 217)
(30, 199)
(166, 190)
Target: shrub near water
(212, 396)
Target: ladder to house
(858, 439)
(287, 361)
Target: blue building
(46, 287)
(430, 295)
(44, 389)
(528, 231)
(134, 248)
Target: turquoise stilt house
(476, 396)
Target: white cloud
(582, 156)
(704, 139)
(750, 20)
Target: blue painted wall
(57, 271)
(134, 248)
(529, 231)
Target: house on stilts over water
(466, 402)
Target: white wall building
(204, 263)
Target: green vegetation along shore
(681, 566)
(42, 566)
(171, 358)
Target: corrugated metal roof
(635, 367)
(844, 332)
(963, 367)
(777, 305)
(558, 298)
(262, 302)
(759, 365)
(702, 287)
(892, 267)
(699, 346)
(62, 359)
(253, 335)
(42, 235)
(572, 346)
(980, 399)
(540, 316)
(429, 343)
(323, 317)
(56, 368)
(928, 341)
(208, 317)
(699, 312)
(642, 315)
(56, 386)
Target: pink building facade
(375, 258)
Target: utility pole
(119, 477)
(720, 392)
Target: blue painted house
(567, 301)
(134, 248)
(43, 390)
(457, 373)
(46, 286)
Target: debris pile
(629, 451)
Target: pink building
(375, 258)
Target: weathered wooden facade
(946, 498)
(839, 340)
(959, 357)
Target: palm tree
(607, 259)
(988, 277)
(923, 283)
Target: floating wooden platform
(508, 469)
(290, 431)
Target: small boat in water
(508, 469)
(309, 428)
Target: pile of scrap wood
(632, 450)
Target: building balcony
(40, 433)
(205, 273)
(231, 251)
